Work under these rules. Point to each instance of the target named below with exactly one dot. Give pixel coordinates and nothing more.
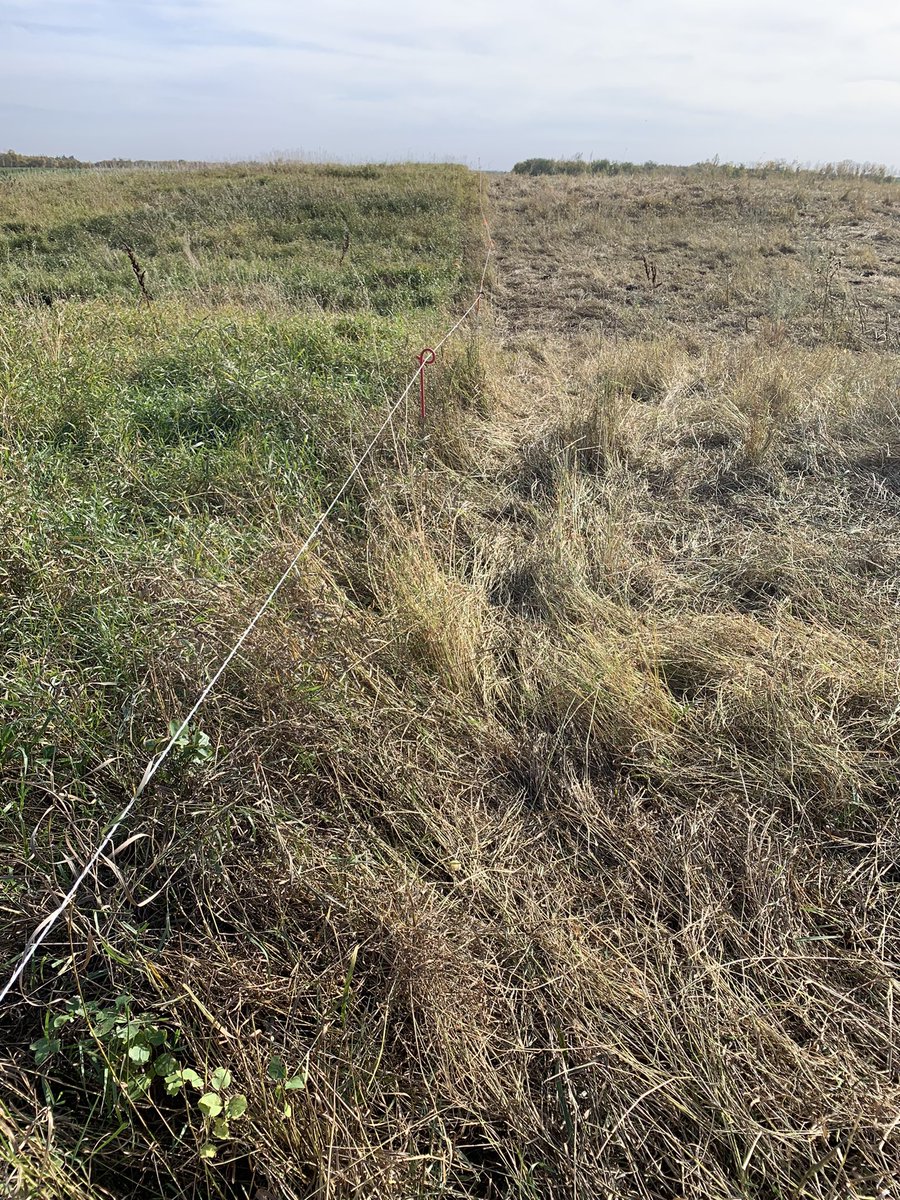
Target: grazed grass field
(816, 261)
(543, 842)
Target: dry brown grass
(814, 258)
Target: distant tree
(12, 159)
(534, 166)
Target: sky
(486, 82)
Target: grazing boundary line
(43, 929)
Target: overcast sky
(483, 81)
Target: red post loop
(424, 361)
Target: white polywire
(43, 929)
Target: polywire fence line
(42, 931)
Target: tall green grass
(242, 233)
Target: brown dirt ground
(817, 259)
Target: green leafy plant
(286, 1082)
(192, 746)
(219, 1109)
(126, 1050)
(131, 1050)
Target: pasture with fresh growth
(541, 841)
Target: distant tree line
(580, 166)
(606, 166)
(10, 158)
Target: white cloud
(488, 78)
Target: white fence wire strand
(43, 929)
